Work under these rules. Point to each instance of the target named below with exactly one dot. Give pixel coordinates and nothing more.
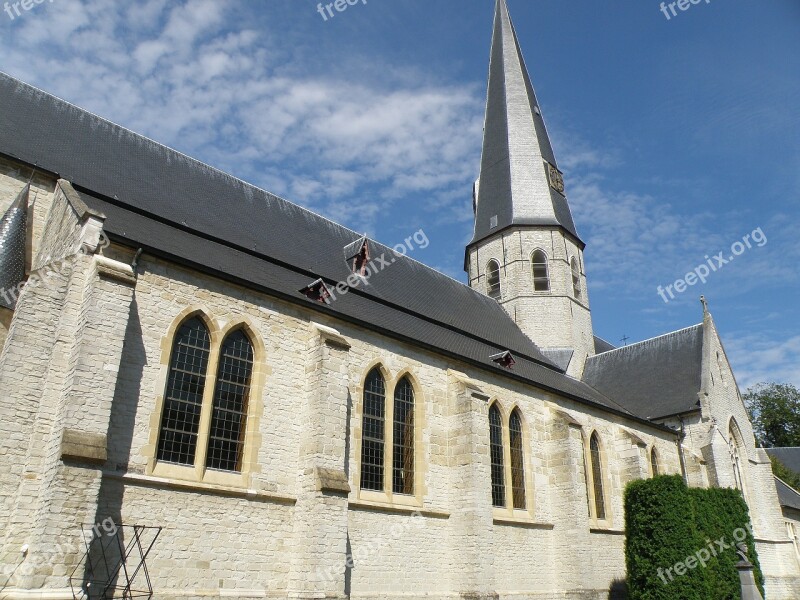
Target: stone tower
(525, 251)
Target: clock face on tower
(556, 178)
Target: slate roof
(788, 457)
(600, 345)
(513, 184)
(655, 378)
(559, 356)
(176, 207)
(787, 496)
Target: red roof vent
(317, 291)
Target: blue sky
(677, 137)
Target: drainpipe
(681, 437)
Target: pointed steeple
(519, 183)
(13, 232)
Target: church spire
(519, 183)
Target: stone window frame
(794, 536)
(500, 512)
(199, 472)
(655, 463)
(577, 287)
(490, 287)
(495, 408)
(738, 456)
(387, 496)
(546, 264)
(607, 520)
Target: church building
(207, 391)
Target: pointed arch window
(493, 289)
(735, 446)
(229, 409)
(211, 401)
(541, 273)
(654, 466)
(496, 455)
(576, 278)
(183, 398)
(597, 477)
(373, 431)
(403, 451)
(517, 460)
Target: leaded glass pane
(183, 398)
(496, 452)
(373, 432)
(403, 451)
(231, 395)
(517, 460)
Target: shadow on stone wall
(120, 435)
(618, 590)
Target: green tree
(775, 413)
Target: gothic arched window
(654, 463)
(541, 274)
(517, 460)
(403, 451)
(597, 477)
(576, 278)
(229, 408)
(493, 280)
(736, 448)
(183, 398)
(496, 454)
(373, 431)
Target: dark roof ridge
(648, 340)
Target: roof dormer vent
(357, 255)
(317, 291)
(504, 359)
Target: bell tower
(525, 251)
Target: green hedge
(671, 534)
(722, 514)
(659, 533)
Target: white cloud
(759, 358)
(186, 75)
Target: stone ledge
(602, 531)
(43, 594)
(113, 269)
(522, 522)
(331, 337)
(397, 508)
(332, 480)
(84, 447)
(765, 541)
(200, 487)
